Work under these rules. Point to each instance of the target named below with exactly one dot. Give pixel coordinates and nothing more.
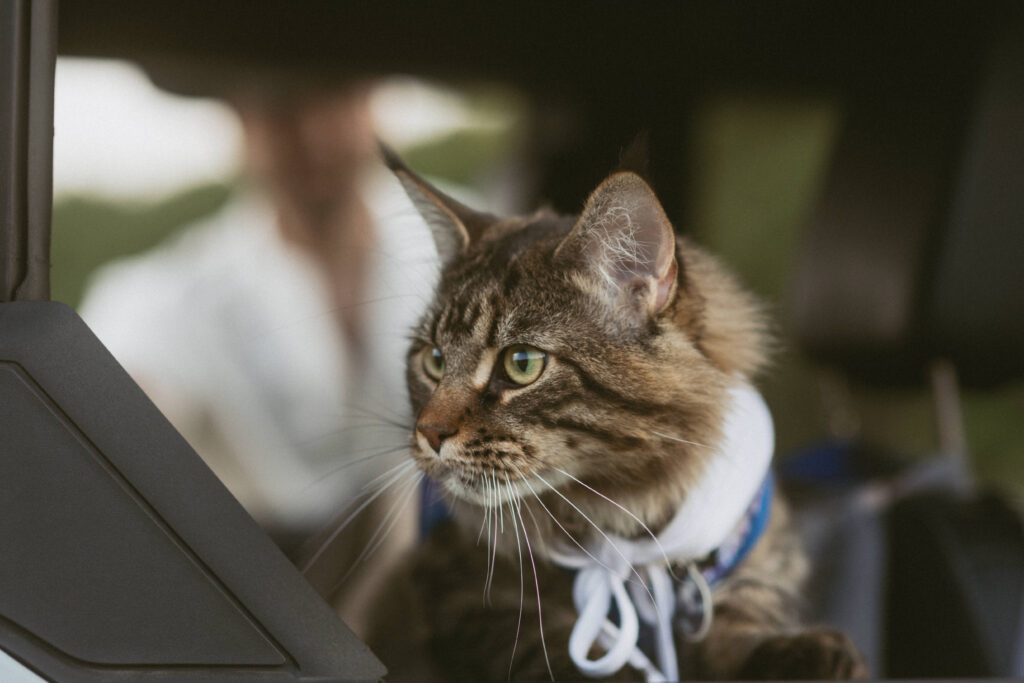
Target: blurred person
(273, 334)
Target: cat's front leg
(481, 645)
(814, 654)
(749, 642)
(496, 636)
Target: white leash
(704, 521)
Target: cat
(580, 385)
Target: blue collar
(693, 615)
(433, 508)
(695, 604)
(724, 559)
(718, 565)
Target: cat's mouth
(493, 487)
(488, 474)
(487, 490)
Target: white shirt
(231, 332)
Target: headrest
(915, 250)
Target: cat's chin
(480, 491)
(498, 489)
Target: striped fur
(630, 405)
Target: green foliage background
(90, 231)
(757, 165)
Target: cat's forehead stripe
(448, 323)
(471, 312)
(512, 279)
(494, 318)
(459, 317)
(484, 368)
(481, 325)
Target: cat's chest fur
(574, 380)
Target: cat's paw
(821, 654)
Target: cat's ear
(624, 238)
(453, 224)
(636, 156)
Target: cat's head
(598, 347)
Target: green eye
(433, 362)
(523, 364)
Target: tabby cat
(578, 381)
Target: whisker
(396, 418)
(386, 429)
(323, 315)
(536, 583)
(351, 463)
(519, 552)
(501, 505)
(533, 518)
(261, 333)
(373, 482)
(402, 468)
(603, 534)
(676, 438)
(483, 525)
(536, 524)
(638, 520)
(375, 541)
(494, 551)
(410, 489)
(488, 511)
(564, 530)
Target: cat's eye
(433, 362)
(523, 364)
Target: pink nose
(436, 434)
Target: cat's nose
(436, 434)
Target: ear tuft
(390, 157)
(453, 225)
(625, 241)
(636, 157)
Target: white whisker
(519, 549)
(606, 538)
(536, 583)
(401, 471)
(400, 504)
(381, 533)
(494, 548)
(483, 525)
(501, 506)
(536, 524)
(376, 480)
(564, 530)
(396, 417)
(639, 521)
(350, 463)
(676, 438)
(392, 431)
(488, 512)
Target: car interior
(907, 277)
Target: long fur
(611, 436)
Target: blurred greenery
(995, 432)
(89, 231)
(757, 165)
(463, 156)
(459, 157)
